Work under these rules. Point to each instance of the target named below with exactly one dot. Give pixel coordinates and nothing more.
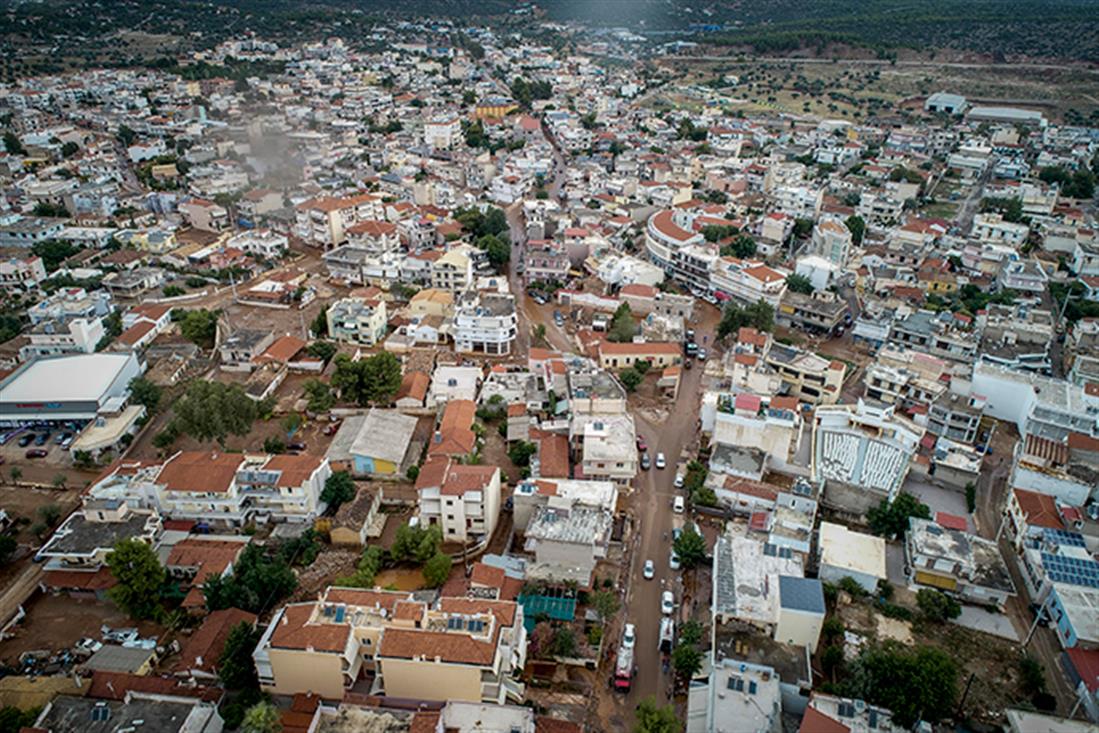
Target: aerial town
(473, 382)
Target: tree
(16, 474)
(915, 683)
(630, 378)
(690, 547)
(369, 565)
(13, 720)
(416, 544)
(135, 566)
(69, 149)
(8, 546)
(802, 228)
(937, 606)
(256, 584)
(214, 411)
(742, 247)
(263, 717)
(319, 326)
(235, 666)
(339, 488)
(760, 316)
(371, 380)
(970, 497)
(319, 397)
(690, 632)
(622, 328)
(521, 452)
(54, 252)
(12, 144)
(857, 227)
(145, 393)
(687, 660)
(437, 569)
(126, 136)
(564, 642)
(799, 284)
(497, 250)
(891, 519)
(323, 350)
(652, 718)
(718, 232)
(199, 327)
(112, 325)
(605, 603)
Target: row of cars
(38, 440)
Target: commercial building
(79, 388)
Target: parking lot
(42, 446)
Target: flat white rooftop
(77, 378)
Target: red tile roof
(815, 721)
(1040, 509)
(203, 649)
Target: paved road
(651, 506)
(732, 59)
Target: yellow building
(432, 302)
(458, 649)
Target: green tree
(799, 284)
(497, 250)
(717, 232)
(937, 606)
(366, 570)
(437, 569)
(690, 632)
(803, 228)
(416, 544)
(319, 397)
(857, 227)
(690, 547)
(145, 393)
(8, 546)
(742, 247)
(687, 660)
(256, 584)
(199, 327)
(138, 573)
(971, 497)
(339, 488)
(652, 718)
(521, 452)
(323, 350)
(214, 411)
(622, 328)
(54, 252)
(319, 325)
(891, 519)
(915, 683)
(630, 378)
(236, 669)
(760, 316)
(126, 136)
(564, 642)
(372, 380)
(12, 143)
(605, 603)
(69, 149)
(16, 473)
(263, 717)
(13, 720)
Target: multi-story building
(468, 649)
(376, 237)
(546, 260)
(991, 227)
(820, 312)
(957, 562)
(70, 303)
(667, 232)
(832, 241)
(772, 425)
(264, 243)
(442, 132)
(485, 324)
(323, 222)
(463, 501)
(805, 375)
(223, 488)
(567, 542)
(862, 453)
(453, 271)
(205, 215)
(607, 446)
(56, 338)
(357, 320)
(954, 416)
(747, 281)
(22, 273)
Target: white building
(486, 324)
(464, 501)
(991, 227)
(737, 696)
(847, 554)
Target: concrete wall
(798, 628)
(430, 681)
(300, 671)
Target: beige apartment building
(387, 643)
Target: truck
(624, 670)
(667, 634)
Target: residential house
(843, 553)
(462, 500)
(382, 444)
(485, 324)
(357, 320)
(957, 562)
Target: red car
(37, 453)
(641, 445)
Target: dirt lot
(24, 503)
(57, 622)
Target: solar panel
(1064, 537)
(1071, 570)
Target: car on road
(539, 299)
(678, 505)
(642, 446)
(649, 571)
(687, 364)
(660, 462)
(678, 483)
(673, 561)
(667, 603)
(629, 637)
(702, 354)
(676, 531)
(37, 453)
(645, 462)
(296, 446)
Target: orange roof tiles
(200, 471)
(203, 649)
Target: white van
(679, 505)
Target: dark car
(296, 446)
(332, 428)
(645, 462)
(41, 438)
(26, 440)
(37, 453)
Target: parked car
(679, 481)
(66, 441)
(649, 570)
(37, 453)
(678, 505)
(660, 462)
(702, 354)
(673, 560)
(26, 440)
(645, 462)
(629, 637)
(676, 532)
(667, 603)
(42, 438)
(296, 446)
(641, 444)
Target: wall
(798, 628)
(832, 574)
(301, 672)
(430, 681)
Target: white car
(660, 462)
(679, 481)
(667, 603)
(649, 571)
(673, 561)
(702, 354)
(678, 505)
(629, 637)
